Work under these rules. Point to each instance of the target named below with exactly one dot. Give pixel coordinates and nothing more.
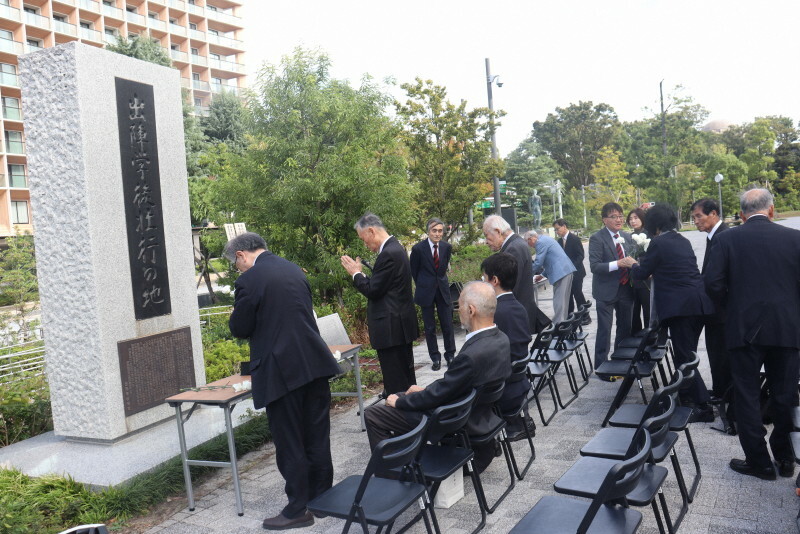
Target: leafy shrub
(24, 410)
(223, 358)
(465, 265)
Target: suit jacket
(512, 320)
(575, 253)
(755, 270)
(428, 279)
(719, 313)
(272, 309)
(679, 287)
(483, 359)
(551, 258)
(602, 251)
(391, 316)
(523, 288)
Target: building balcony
(110, 39)
(177, 4)
(162, 2)
(177, 29)
(17, 180)
(223, 64)
(11, 13)
(226, 18)
(177, 55)
(135, 18)
(37, 20)
(199, 60)
(65, 28)
(90, 35)
(201, 85)
(8, 79)
(15, 147)
(67, 2)
(227, 42)
(195, 10)
(89, 5)
(12, 47)
(222, 88)
(201, 111)
(12, 114)
(113, 12)
(197, 34)
(32, 48)
(156, 24)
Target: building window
(174, 47)
(213, 32)
(195, 76)
(192, 26)
(19, 212)
(152, 15)
(8, 74)
(198, 102)
(29, 9)
(7, 35)
(108, 3)
(86, 24)
(14, 143)
(191, 2)
(59, 18)
(212, 55)
(16, 175)
(195, 51)
(173, 21)
(211, 8)
(130, 9)
(34, 43)
(11, 108)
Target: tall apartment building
(202, 37)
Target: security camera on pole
(718, 178)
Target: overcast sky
(737, 58)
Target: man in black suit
(681, 301)
(754, 270)
(429, 261)
(483, 360)
(500, 272)
(611, 287)
(290, 366)
(572, 245)
(501, 238)
(705, 214)
(391, 316)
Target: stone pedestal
(82, 232)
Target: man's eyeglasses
(615, 217)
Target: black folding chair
(606, 513)
(584, 478)
(519, 370)
(540, 372)
(558, 354)
(372, 500)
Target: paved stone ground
(726, 502)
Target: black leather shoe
(785, 468)
(586, 321)
(743, 467)
(703, 413)
(448, 360)
(520, 434)
(281, 522)
(436, 366)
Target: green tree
(723, 161)
(323, 153)
(142, 47)
(449, 151)
(18, 279)
(611, 178)
(574, 135)
(226, 121)
(759, 149)
(528, 167)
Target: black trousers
(576, 298)
(300, 426)
(444, 308)
(685, 333)
(718, 358)
(397, 366)
(622, 304)
(641, 309)
(781, 366)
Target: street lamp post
(489, 81)
(718, 178)
(583, 194)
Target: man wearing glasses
(611, 287)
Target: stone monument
(113, 238)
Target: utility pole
(498, 209)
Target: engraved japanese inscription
(154, 368)
(141, 182)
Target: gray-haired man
(391, 316)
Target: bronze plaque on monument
(154, 368)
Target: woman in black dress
(641, 289)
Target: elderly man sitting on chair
(484, 359)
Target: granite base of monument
(103, 465)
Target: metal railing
(90, 35)
(156, 24)
(180, 4)
(22, 361)
(197, 59)
(222, 16)
(201, 85)
(8, 12)
(222, 88)
(223, 64)
(6, 78)
(201, 111)
(177, 29)
(37, 20)
(135, 18)
(228, 42)
(90, 5)
(10, 46)
(177, 55)
(113, 12)
(197, 34)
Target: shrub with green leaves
(223, 358)
(24, 410)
